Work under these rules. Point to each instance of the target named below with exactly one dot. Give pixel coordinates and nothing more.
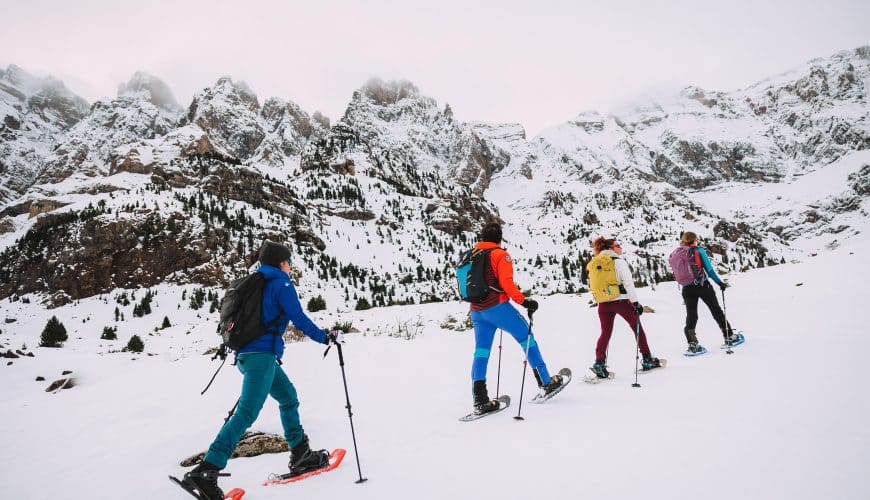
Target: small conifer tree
(53, 334)
(109, 333)
(166, 323)
(316, 304)
(135, 344)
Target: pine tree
(53, 334)
(109, 333)
(362, 304)
(166, 323)
(135, 344)
(316, 304)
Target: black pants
(705, 292)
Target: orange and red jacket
(501, 276)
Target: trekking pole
(498, 373)
(349, 412)
(525, 364)
(637, 352)
(728, 350)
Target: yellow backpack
(603, 282)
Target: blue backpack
(471, 275)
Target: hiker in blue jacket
(259, 361)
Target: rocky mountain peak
(386, 93)
(34, 113)
(230, 113)
(149, 87)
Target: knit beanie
(273, 254)
(491, 232)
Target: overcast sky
(539, 63)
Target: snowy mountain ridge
(378, 204)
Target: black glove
(335, 337)
(723, 285)
(638, 308)
(530, 305)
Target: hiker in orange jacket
(495, 312)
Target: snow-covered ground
(783, 417)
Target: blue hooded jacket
(280, 307)
(705, 262)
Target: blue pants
(262, 377)
(506, 317)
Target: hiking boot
(203, 478)
(690, 335)
(554, 383)
(482, 403)
(731, 337)
(695, 347)
(486, 407)
(650, 362)
(600, 369)
(303, 459)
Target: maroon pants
(607, 312)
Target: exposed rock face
(228, 112)
(92, 256)
(34, 113)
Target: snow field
(783, 417)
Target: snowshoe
(503, 402)
(599, 373)
(735, 340)
(695, 349)
(555, 386)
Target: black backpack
(471, 276)
(242, 311)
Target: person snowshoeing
(613, 289)
(494, 312)
(693, 271)
(259, 361)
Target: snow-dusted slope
(783, 417)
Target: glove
(638, 308)
(335, 337)
(723, 285)
(530, 305)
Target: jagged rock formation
(34, 112)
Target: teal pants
(262, 377)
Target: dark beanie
(491, 232)
(273, 254)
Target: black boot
(650, 362)
(538, 377)
(600, 369)
(303, 459)
(555, 383)
(691, 338)
(203, 478)
(482, 403)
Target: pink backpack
(686, 265)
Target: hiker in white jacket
(625, 305)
